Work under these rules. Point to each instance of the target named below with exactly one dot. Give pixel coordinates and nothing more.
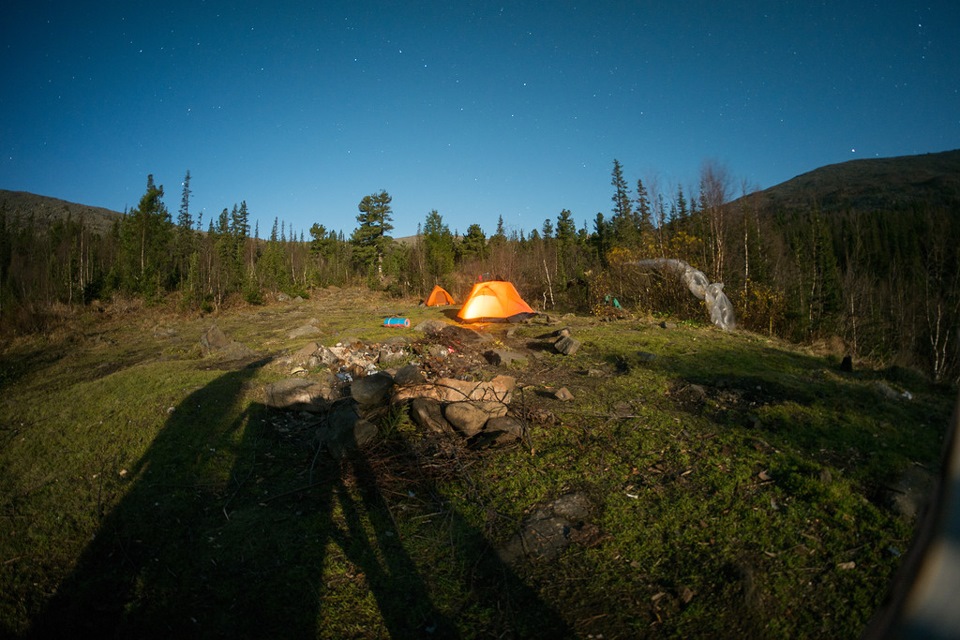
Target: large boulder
(500, 389)
(215, 342)
(469, 418)
(428, 413)
(372, 390)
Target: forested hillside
(864, 251)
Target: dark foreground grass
(737, 487)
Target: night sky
(475, 109)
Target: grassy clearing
(736, 484)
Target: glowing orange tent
(494, 301)
(438, 297)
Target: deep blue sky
(476, 109)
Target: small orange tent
(438, 297)
(493, 301)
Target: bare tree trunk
(549, 284)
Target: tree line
(886, 282)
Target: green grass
(145, 491)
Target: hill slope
(881, 183)
(45, 210)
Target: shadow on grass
(228, 530)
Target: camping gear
(396, 322)
(494, 301)
(438, 297)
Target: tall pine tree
(370, 239)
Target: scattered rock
(563, 394)
(469, 418)
(305, 331)
(503, 430)
(454, 333)
(388, 358)
(505, 357)
(372, 390)
(428, 414)
(646, 356)
(668, 325)
(567, 345)
(305, 355)
(572, 506)
(213, 339)
(409, 374)
(430, 327)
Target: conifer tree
(437, 247)
(473, 244)
(185, 244)
(623, 225)
(370, 239)
(145, 244)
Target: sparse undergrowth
(737, 487)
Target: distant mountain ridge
(874, 183)
(45, 210)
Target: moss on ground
(736, 484)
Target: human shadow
(170, 558)
(231, 529)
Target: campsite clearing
(697, 483)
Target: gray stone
(213, 339)
(567, 345)
(430, 327)
(464, 335)
(305, 354)
(563, 394)
(326, 356)
(305, 331)
(646, 356)
(214, 342)
(572, 506)
(429, 414)
(387, 358)
(505, 357)
(504, 429)
(372, 390)
(466, 417)
(409, 374)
